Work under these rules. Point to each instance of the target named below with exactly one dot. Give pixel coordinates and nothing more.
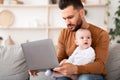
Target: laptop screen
(40, 55)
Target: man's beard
(77, 27)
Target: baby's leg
(49, 72)
(52, 73)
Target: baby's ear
(76, 42)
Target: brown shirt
(100, 43)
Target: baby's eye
(88, 37)
(81, 37)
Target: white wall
(27, 16)
(113, 7)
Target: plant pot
(9, 41)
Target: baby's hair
(82, 29)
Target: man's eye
(70, 17)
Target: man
(73, 13)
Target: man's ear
(82, 13)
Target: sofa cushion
(113, 62)
(12, 63)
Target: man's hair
(77, 4)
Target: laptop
(40, 55)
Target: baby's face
(83, 39)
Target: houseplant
(115, 32)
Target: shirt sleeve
(61, 53)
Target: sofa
(13, 65)
(113, 62)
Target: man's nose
(67, 21)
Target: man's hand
(33, 72)
(66, 69)
(63, 61)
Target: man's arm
(65, 68)
(61, 53)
